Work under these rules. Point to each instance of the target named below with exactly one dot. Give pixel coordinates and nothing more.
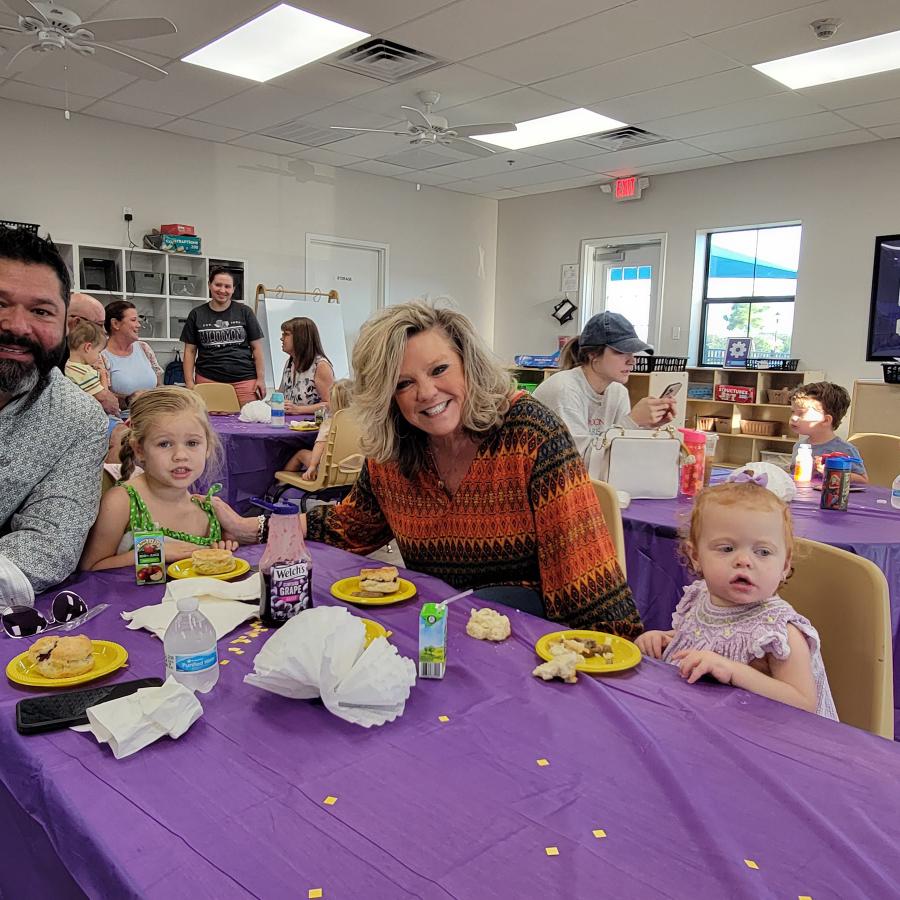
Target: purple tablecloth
(252, 455)
(652, 788)
(868, 528)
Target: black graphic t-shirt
(222, 339)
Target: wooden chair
(106, 481)
(612, 513)
(846, 598)
(881, 454)
(339, 466)
(220, 398)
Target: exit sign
(629, 188)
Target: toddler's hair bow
(745, 476)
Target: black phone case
(37, 714)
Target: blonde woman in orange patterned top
(479, 484)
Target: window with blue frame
(750, 285)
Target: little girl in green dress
(171, 439)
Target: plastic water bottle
(895, 493)
(277, 404)
(803, 467)
(192, 657)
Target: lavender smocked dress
(745, 633)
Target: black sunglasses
(68, 611)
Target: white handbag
(644, 464)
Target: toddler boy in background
(817, 409)
(85, 368)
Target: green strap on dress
(141, 520)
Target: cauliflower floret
(488, 625)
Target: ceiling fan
(52, 27)
(425, 127)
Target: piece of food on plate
(561, 666)
(488, 625)
(587, 648)
(61, 657)
(383, 580)
(209, 561)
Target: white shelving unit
(181, 280)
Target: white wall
(843, 197)
(74, 178)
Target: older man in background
(52, 435)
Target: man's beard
(14, 375)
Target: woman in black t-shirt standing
(223, 342)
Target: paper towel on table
(322, 652)
(131, 723)
(256, 411)
(220, 602)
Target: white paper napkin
(133, 722)
(256, 411)
(219, 602)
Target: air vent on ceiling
(623, 139)
(385, 60)
(301, 133)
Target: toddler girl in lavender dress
(731, 624)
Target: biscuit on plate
(61, 657)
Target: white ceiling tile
(456, 84)
(888, 131)
(131, 115)
(701, 17)
(566, 184)
(84, 76)
(688, 96)
(532, 175)
(463, 29)
(41, 96)
(489, 165)
(561, 151)
(376, 167)
(349, 113)
(203, 130)
(328, 83)
(502, 195)
(186, 89)
(856, 91)
(789, 33)
(366, 15)
(258, 108)
(872, 114)
(267, 144)
(512, 106)
(773, 133)
(371, 146)
(420, 158)
(641, 72)
(722, 118)
(636, 157)
(683, 165)
(613, 34)
(327, 157)
(428, 176)
(804, 146)
(467, 187)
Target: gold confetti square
(599, 833)
(543, 762)
(224, 662)
(314, 893)
(443, 718)
(805, 897)
(551, 851)
(750, 864)
(330, 801)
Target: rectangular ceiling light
(866, 57)
(278, 41)
(547, 129)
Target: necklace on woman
(452, 470)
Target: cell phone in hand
(670, 391)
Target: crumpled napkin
(220, 602)
(131, 723)
(321, 652)
(256, 411)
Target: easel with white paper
(273, 307)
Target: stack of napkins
(225, 603)
(321, 652)
(131, 723)
(256, 411)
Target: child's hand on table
(652, 643)
(694, 664)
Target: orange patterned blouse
(524, 514)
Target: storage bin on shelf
(735, 393)
(774, 365)
(527, 386)
(23, 226)
(699, 391)
(782, 460)
(644, 363)
(891, 372)
(723, 425)
(781, 396)
(706, 423)
(759, 428)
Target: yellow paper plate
(184, 568)
(108, 657)
(625, 654)
(297, 425)
(375, 630)
(344, 589)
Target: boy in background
(817, 409)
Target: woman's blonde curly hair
(377, 358)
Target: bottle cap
(278, 509)
(277, 397)
(840, 462)
(188, 604)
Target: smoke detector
(825, 28)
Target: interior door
(629, 286)
(356, 270)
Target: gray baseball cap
(609, 329)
